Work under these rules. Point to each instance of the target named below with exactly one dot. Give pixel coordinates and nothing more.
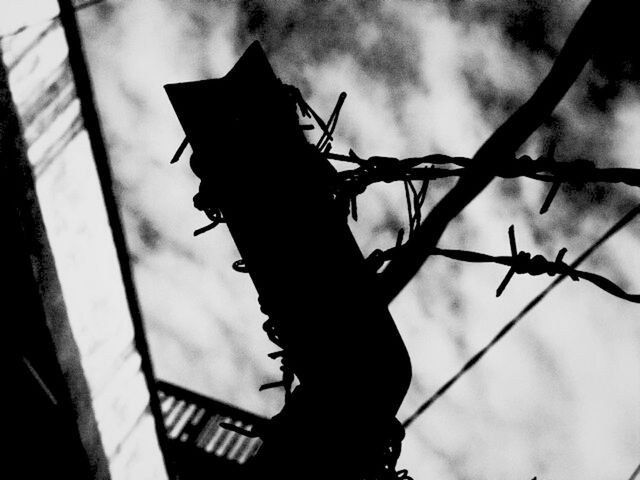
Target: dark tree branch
(524, 263)
(578, 49)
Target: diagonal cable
(513, 322)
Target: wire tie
(571, 273)
(514, 255)
(354, 156)
(206, 228)
(268, 386)
(240, 266)
(180, 151)
(550, 196)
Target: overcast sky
(560, 396)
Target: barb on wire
(555, 188)
(180, 150)
(328, 127)
(514, 321)
(351, 183)
(430, 167)
(521, 262)
(216, 219)
(415, 199)
(202, 203)
(324, 144)
(378, 257)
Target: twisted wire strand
(430, 167)
(514, 321)
(522, 262)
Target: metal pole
(272, 188)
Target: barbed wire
(377, 169)
(513, 322)
(584, 40)
(387, 169)
(520, 262)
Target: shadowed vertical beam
(91, 120)
(52, 430)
